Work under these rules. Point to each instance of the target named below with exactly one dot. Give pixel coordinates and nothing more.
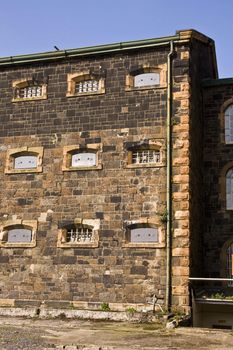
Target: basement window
(85, 83)
(24, 160)
(84, 233)
(144, 234)
(27, 90)
(77, 157)
(146, 77)
(20, 233)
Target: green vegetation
(105, 307)
(221, 296)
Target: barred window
(85, 83)
(228, 117)
(145, 156)
(29, 91)
(79, 234)
(87, 86)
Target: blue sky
(28, 26)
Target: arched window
(82, 233)
(229, 189)
(146, 77)
(20, 233)
(230, 261)
(144, 154)
(78, 157)
(29, 89)
(228, 118)
(144, 233)
(24, 160)
(85, 83)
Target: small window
(144, 234)
(83, 233)
(29, 90)
(87, 86)
(144, 155)
(85, 83)
(81, 158)
(228, 117)
(24, 160)
(20, 233)
(146, 77)
(229, 189)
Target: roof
(180, 37)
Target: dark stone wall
(217, 156)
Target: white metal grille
(79, 234)
(29, 91)
(145, 156)
(87, 86)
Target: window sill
(154, 87)
(85, 94)
(98, 167)
(23, 171)
(145, 165)
(143, 245)
(17, 245)
(29, 99)
(78, 245)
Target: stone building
(113, 168)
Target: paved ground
(25, 334)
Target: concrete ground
(38, 334)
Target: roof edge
(216, 82)
(181, 36)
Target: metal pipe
(169, 173)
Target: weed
(104, 307)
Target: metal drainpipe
(169, 173)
